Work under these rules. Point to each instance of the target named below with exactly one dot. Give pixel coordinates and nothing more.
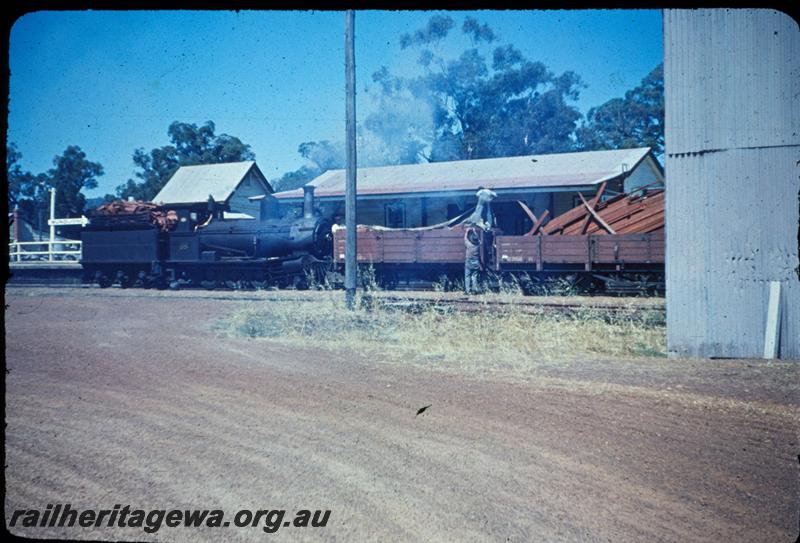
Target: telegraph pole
(350, 187)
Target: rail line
(410, 301)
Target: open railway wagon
(612, 246)
(407, 258)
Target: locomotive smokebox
(308, 201)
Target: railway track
(523, 304)
(407, 301)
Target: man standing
(472, 260)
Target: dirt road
(141, 401)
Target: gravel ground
(138, 400)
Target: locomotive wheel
(123, 280)
(104, 281)
(265, 284)
(209, 285)
(141, 280)
(300, 283)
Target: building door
(395, 215)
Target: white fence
(51, 251)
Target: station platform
(53, 273)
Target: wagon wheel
(648, 284)
(526, 283)
(390, 280)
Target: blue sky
(113, 81)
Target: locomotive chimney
(308, 201)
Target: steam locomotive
(201, 245)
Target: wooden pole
(350, 263)
(16, 231)
(52, 224)
(16, 222)
(773, 328)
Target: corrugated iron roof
(531, 171)
(192, 184)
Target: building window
(396, 215)
(453, 211)
(576, 200)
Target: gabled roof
(193, 184)
(521, 172)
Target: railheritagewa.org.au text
(152, 520)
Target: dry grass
(436, 335)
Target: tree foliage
(477, 32)
(321, 156)
(636, 120)
(190, 145)
(489, 101)
(71, 173)
(436, 30)
(20, 183)
(484, 103)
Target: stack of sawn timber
(639, 213)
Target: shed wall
(250, 186)
(732, 149)
(645, 174)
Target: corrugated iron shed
(732, 77)
(523, 172)
(192, 184)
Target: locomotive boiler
(271, 236)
